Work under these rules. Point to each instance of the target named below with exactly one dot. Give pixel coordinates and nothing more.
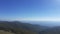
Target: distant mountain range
(45, 23)
(24, 26)
(29, 27)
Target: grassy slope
(5, 32)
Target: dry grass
(5, 32)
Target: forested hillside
(26, 28)
(17, 27)
(21, 28)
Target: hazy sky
(36, 10)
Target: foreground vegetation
(16, 27)
(5, 32)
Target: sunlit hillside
(5, 32)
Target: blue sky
(36, 10)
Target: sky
(33, 10)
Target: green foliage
(16, 27)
